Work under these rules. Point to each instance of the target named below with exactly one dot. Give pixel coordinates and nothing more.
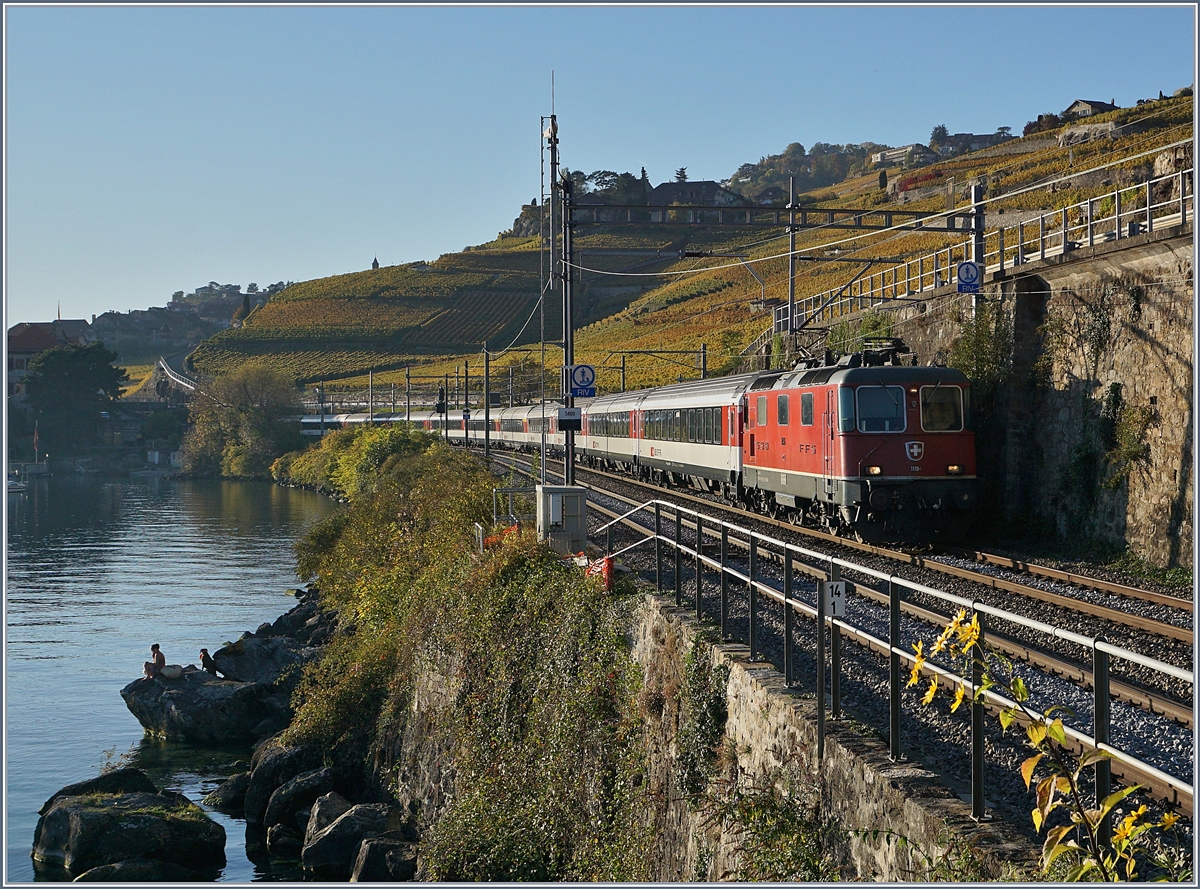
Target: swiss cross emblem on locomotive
(915, 449)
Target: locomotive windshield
(881, 409)
(941, 409)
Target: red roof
(26, 337)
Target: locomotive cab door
(828, 429)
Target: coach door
(828, 424)
(748, 436)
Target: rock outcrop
(252, 700)
(385, 859)
(84, 831)
(230, 797)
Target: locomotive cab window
(881, 409)
(941, 409)
(806, 408)
(781, 409)
(761, 410)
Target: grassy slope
(339, 327)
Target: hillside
(438, 314)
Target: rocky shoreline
(119, 827)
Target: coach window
(781, 409)
(718, 423)
(806, 408)
(881, 409)
(691, 414)
(941, 409)
(708, 425)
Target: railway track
(1082, 606)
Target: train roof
(713, 390)
(887, 373)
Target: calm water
(97, 570)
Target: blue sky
(153, 149)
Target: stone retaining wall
(1119, 314)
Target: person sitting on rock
(207, 663)
(154, 666)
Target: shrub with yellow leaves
(1075, 846)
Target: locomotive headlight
(954, 469)
(874, 470)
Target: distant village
(138, 335)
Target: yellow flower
(950, 630)
(1169, 820)
(915, 676)
(933, 683)
(958, 698)
(968, 635)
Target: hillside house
(772, 196)
(28, 340)
(907, 155)
(1088, 108)
(961, 143)
(705, 193)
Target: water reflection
(98, 569)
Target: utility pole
(407, 397)
(487, 406)
(791, 260)
(371, 396)
(552, 142)
(704, 361)
(466, 401)
(446, 405)
(510, 385)
(622, 373)
(568, 332)
(977, 239)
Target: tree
(252, 287)
(883, 180)
(681, 174)
(1004, 132)
(241, 423)
(939, 136)
(68, 388)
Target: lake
(99, 568)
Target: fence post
(658, 545)
(725, 582)
(699, 550)
(977, 728)
(821, 672)
(678, 557)
(1019, 259)
(1100, 732)
(835, 654)
(1149, 207)
(1064, 230)
(1182, 197)
(1000, 250)
(753, 597)
(1091, 238)
(894, 670)
(787, 616)
(1041, 237)
(1117, 212)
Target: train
(866, 444)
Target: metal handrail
(1101, 686)
(1054, 235)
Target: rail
(1161, 202)
(1168, 787)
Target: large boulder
(203, 709)
(230, 797)
(385, 859)
(79, 833)
(273, 765)
(298, 793)
(126, 780)
(138, 870)
(326, 810)
(266, 659)
(332, 852)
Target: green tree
(241, 423)
(68, 388)
(681, 174)
(939, 136)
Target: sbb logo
(915, 449)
